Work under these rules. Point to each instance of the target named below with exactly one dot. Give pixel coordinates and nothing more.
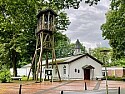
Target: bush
(114, 78)
(5, 75)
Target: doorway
(86, 74)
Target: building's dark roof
(46, 11)
(78, 45)
(74, 58)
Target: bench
(16, 78)
(99, 77)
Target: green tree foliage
(61, 45)
(5, 75)
(18, 23)
(114, 28)
(83, 49)
(16, 29)
(119, 62)
(92, 2)
(100, 55)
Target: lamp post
(105, 53)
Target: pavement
(111, 91)
(88, 92)
(68, 87)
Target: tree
(83, 49)
(61, 45)
(119, 62)
(99, 55)
(114, 28)
(92, 2)
(18, 23)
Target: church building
(78, 66)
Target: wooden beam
(53, 29)
(43, 21)
(31, 64)
(48, 20)
(36, 58)
(57, 65)
(40, 57)
(54, 56)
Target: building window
(64, 69)
(78, 71)
(75, 70)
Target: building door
(86, 74)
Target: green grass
(25, 79)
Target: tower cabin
(46, 19)
(46, 26)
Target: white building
(83, 67)
(23, 71)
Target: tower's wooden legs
(32, 64)
(54, 55)
(45, 42)
(39, 65)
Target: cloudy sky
(85, 24)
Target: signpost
(48, 72)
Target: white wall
(78, 64)
(61, 71)
(22, 71)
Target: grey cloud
(86, 22)
(101, 8)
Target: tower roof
(78, 44)
(46, 11)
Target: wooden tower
(44, 42)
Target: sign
(48, 72)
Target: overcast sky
(85, 24)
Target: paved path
(44, 91)
(111, 91)
(97, 85)
(77, 87)
(69, 87)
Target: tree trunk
(14, 62)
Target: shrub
(114, 78)
(5, 75)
